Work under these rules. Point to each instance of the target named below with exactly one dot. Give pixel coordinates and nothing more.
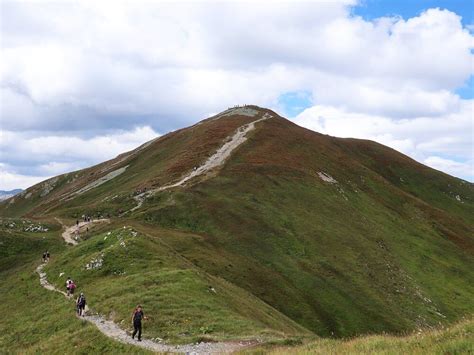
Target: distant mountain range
(7, 194)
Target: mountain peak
(330, 232)
(243, 110)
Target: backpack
(72, 285)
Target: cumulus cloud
(443, 142)
(31, 158)
(72, 72)
(454, 167)
(11, 181)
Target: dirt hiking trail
(214, 161)
(69, 233)
(113, 331)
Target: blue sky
(102, 79)
(371, 9)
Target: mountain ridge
(6, 194)
(343, 236)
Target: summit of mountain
(340, 236)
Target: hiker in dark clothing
(45, 258)
(77, 222)
(137, 317)
(81, 305)
(47, 255)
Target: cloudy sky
(84, 81)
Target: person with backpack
(72, 287)
(81, 305)
(137, 317)
(44, 257)
(68, 284)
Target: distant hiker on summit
(137, 317)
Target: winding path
(68, 233)
(112, 330)
(217, 159)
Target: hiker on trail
(44, 257)
(137, 317)
(69, 282)
(47, 256)
(72, 287)
(81, 305)
(77, 222)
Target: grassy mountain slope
(385, 244)
(456, 339)
(361, 255)
(184, 303)
(37, 320)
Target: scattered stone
(326, 177)
(101, 180)
(96, 263)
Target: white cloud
(11, 181)
(453, 167)
(426, 139)
(32, 159)
(75, 69)
(143, 60)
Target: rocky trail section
(113, 331)
(71, 234)
(214, 161)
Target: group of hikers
(137, 315)
(85, 219)
(80, 301)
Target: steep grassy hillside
(150, 165)
(122, 268)
(456, 339)
(297, 232)
(36, 320)
(359, 255)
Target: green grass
(456, 339)
(36, 320)
(285, 243)
(184, 303)
(389, 248)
